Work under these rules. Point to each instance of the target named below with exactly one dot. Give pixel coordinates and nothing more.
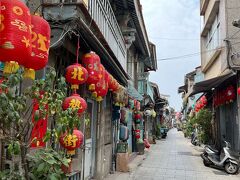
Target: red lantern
(230, 94)
(113, 84)
(204, 100)
(238, 91)
(137, 116)
(102, 87)
(137, 134)
(72, 141)
(15, 39)
(75, 75)
(146, 143)
(91, 62)
(40, 31)
(75, 102)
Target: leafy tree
(204, 118)
(16, 120)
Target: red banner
(39, 129)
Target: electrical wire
(191, 55)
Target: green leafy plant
(17, 115)
(189, 126)
(46, 164)
(204, 118)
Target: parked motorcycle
(163, 132)
(194, 138)
(230, 162)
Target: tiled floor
(176, 158)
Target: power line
(233, 7)
(189, 39)
(175, 39)
(192, 55)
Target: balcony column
(128, 33)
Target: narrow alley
(176, 158)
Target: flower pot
(140, 148)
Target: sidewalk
(133, 165)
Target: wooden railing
(102, 13)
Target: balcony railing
(104, 17)
(102, 14)
(64, 1)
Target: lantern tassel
(99, 98)
(10, 67)
(74, 86)
(91, 87)
(94, 94)
(29, 73)
(71, 152)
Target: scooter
(194, 139)
(230, 162)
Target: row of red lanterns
(201, 103)
(99, 82)
(93, 73)
(224, 96)
(24, 40)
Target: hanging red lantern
(76, 75)
(40, 31)
(238, 90)
(137, 134)
(91, 62)
(113, 84)
(72, 141)
(102, 87)
(137, 116)
(204, 100)
(146, 143)
(230, 94)
(15, 34)
(75, 102)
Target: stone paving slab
(175, 158)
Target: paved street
(173, 159)
(176, 158)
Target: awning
(207, 85)
(132, 92)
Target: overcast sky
(174, 27)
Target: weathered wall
(219, 63)
(104, 146)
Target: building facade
(114, 30)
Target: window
(213, 40)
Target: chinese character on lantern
(91, 62)
(71, 141)
(40, 42)
(15, 35)
(76, 75)
(75, 102)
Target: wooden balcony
(101, 15)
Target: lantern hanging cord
(78, 47)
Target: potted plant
(140, 146)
